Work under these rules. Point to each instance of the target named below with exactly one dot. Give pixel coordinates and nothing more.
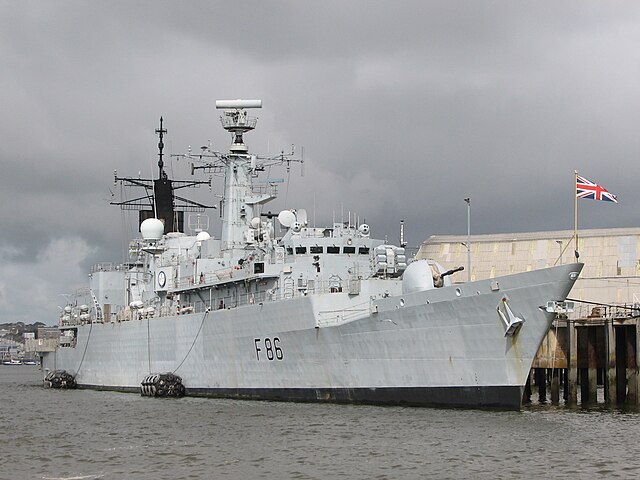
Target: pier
(591, 357)
(588, 361)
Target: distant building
(611, 273)
(10, 348)
(48, 333)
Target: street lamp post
(559, 242)
(468, 201)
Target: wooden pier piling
(632, 364)
(592, 365)
(588, 355)
(555, 386)
(541, 383)
(572, 387)
(610, 367)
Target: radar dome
(255, 222)
(286, 218)
(202, 236)
(152, 229)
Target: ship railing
(291, 288)
(327, 318)
(303, 287)
(106, 267)
(597, 311)
(211, 278)
(265, 189)
(233, 301)
(238, 121)
(288, 290)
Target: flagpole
(575, 211)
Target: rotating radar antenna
(236, 121)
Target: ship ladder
(99, 317)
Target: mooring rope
(85, 349)
(149, 343)
(194, 340)
(624, 307)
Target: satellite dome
(152, 229)
(286, 218)
(296, 227)
(364, 229)
(202, 236)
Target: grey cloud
(403, 109)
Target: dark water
(48, 434)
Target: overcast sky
(404, 108)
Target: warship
(276, 308)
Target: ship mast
(161, 131)
(160, 200)
(241, 200)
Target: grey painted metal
(324, 314)
(437, 339)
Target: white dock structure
(598, 344)
(611, 256)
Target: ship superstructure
(275, 308)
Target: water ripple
(52, 435)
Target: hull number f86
(268, 348)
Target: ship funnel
(236, 120)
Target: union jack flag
(587, 189)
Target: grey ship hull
(439, 347)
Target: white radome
(286, 218)
(152, 229)
(255, 223)
(202, 236)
